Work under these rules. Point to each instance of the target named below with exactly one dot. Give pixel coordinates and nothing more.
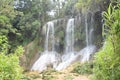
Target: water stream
(68, 55)
(69, 39)
(50, 58)
(90, 48)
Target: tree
(35, 15)
(8, 23)
(9, 63)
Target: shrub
(9, 64)
(107, 60)
(85, 68)
(3, 44)
(48, 75)
(9, 67)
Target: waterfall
(86, 31)
(70, 36)
(48, 57)
(89, 30)
(90, 48)
(51, 58)
(91, 35)
(68, 55)
(69, 39)
(50, 33)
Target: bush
(107, 66)
(85, 68)
(48, 75)
(9, 67)
(107, 61)
(9, 64)
(3, 44)
(19, 50)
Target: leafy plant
(85, 68)
(48, 75)
(25, 78)
(19, 51)
(107, 60)
(3, 44)
(9, 63)
(9, 67)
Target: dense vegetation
(86, 68)
(21, 22)
(107, 60)
(9, 63)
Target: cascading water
(86, 31)
(91, 35)
(69, 49)
(70, 36)
(50, 33)
(90, 48)
(68, 55)
(48, 57)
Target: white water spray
(69, 49)
(90, 48)
(69, 38)
(70, 56)
(50, 35)
(48, 57)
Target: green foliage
(25, 78)
(47, 75)
(68, 8)
(28, 27)
(9, 64)
(112, 19)
(85, 68)
(4, 20)
(68, 78)
(19, 51)
(3, 44)
(107, 60)
(107, 64)
(82, 3)
(85, 5)
(7, 8)
(35, 15)
(5, 24)
(61, 33)
(9, 67)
